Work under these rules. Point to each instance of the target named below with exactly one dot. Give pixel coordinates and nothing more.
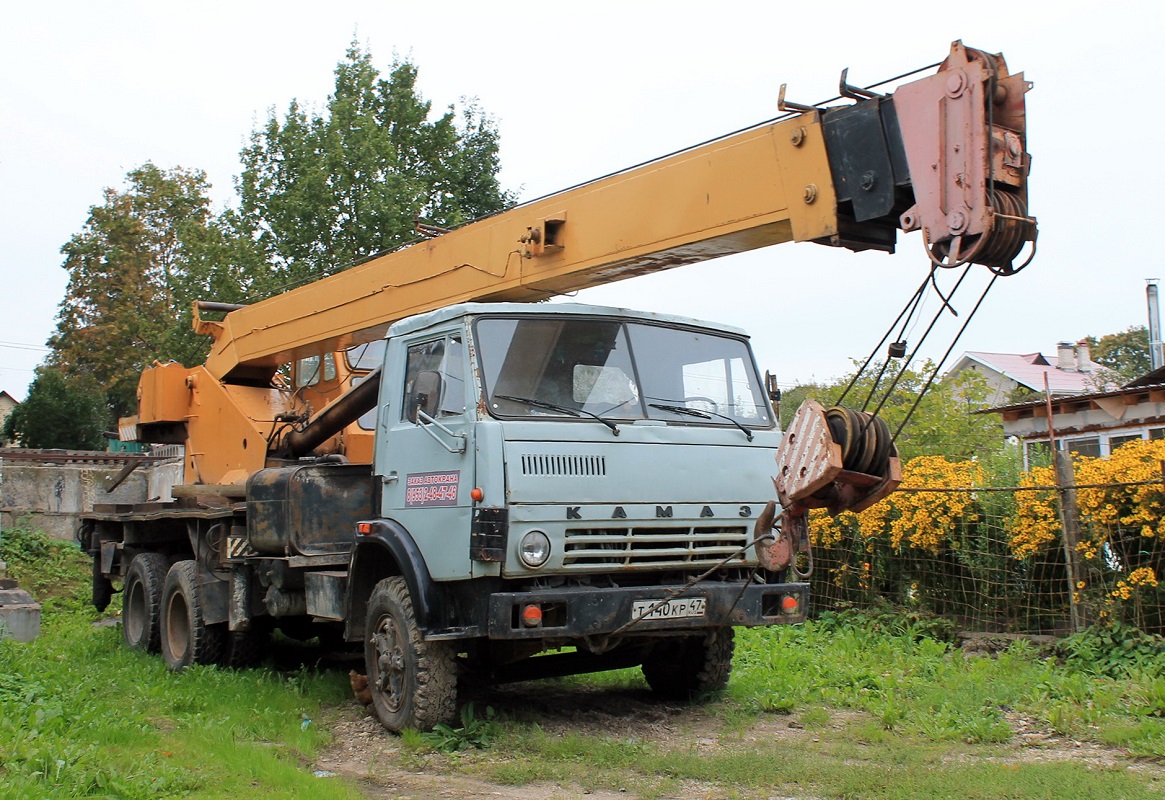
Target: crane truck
(468, 484)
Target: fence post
(1070, 520)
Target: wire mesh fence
(997, 559)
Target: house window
(1037, 454)
(1116, 441)
(1085, 446)
(1156, 433)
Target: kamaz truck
(413, 458)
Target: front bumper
(587, 611)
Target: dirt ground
(385, 770)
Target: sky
(89, 91)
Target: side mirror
(774, 393)
(772, 388)
(426, 395)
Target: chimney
(1065, 357)
(1155, 346)
(1083, 356)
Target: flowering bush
(923, 520)
(1001, 554)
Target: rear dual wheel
(186, 638)
(142, 601)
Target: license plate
(684, 607)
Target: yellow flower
(928, 521)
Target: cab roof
(421, 321)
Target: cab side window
(434, 380)
(312, 370)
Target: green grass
(880, 715)
(841, 767)
(850, 706)
(81, 715)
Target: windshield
(578, 367)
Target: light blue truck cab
(557, 489)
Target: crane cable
(908, 312)
(904, 317)
(925, 335)
(946, 355)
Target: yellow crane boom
(945, 154)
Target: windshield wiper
(693, 412)
(573, 412)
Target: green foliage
(884, 620)
(59, 413)
(1116, 650)
(317, 192)
(476, 733)
(943, 424)
(321, 190)
(53, 571)
(1126, 353)
(124, 302)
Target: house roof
(1124, 391)
(10, 397)
(1154, 378)
(1028, 370)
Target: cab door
(427, 461)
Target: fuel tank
(307, 510)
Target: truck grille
(658, 548)
(572, 466)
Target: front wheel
(691, 667)
(413, 682)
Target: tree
(317, 192)
(945, 422)
(58, 413)
(1125, 353)
(321, 190)
(128, 294)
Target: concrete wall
(52, 497)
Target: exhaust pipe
(348, 408)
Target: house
(1092, 424)
(1011, 375)
(7, 403)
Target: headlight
(534, 549)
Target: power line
(23, 346)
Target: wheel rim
(390, 662)
(134, 619)
(177, 627)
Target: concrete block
(19, 613)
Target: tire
(186, 638)
(245, 649)
(413, 682)
(692, 667)
(141, 610)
